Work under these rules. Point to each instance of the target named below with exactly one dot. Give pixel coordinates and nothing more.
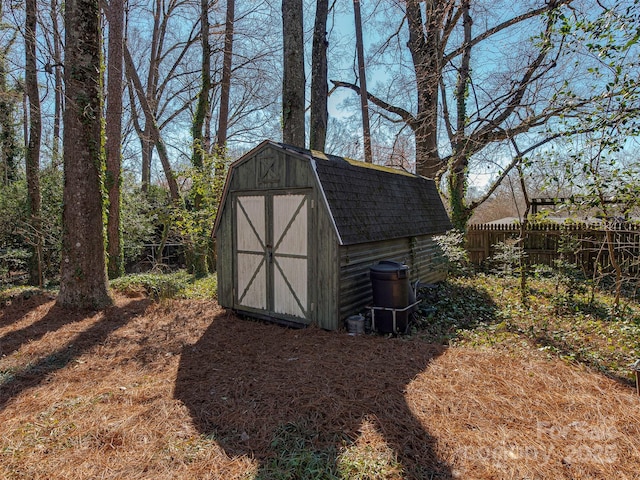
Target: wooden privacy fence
(543, 242)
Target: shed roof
(370, 202)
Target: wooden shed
(298, 230)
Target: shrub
(454, 251)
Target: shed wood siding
(421, 254)
(325, 275)
(323, 222)
(224, 257)
(283, 185)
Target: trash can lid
(388, 266)
(387, 270)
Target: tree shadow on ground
(19, 307)
(55, 319)
(34, 374)
(293, 399)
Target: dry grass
(181, 389)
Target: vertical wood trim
(325, 201)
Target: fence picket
(543, 241)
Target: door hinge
(313, 204)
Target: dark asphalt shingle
(371, 203)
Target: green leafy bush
(143, 216)
(452, 244)
(508, 257)
(180, 284)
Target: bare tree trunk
(364, 102)
(147, 152)
(225, 84)
(147, 141)
(114, 133)
(59, 93)
(33, 143)
(293, 127)
(319, 86)
(83, 279)
(524, 234)
(196, 253)
(223, 114)
(202, 106)
(460, 158)
(425, 48)
(7, 161)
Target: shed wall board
(427, 261)
(276, 177)
(271, 169)
(325, 278)
(224, 259)
(420, 254)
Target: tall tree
(162, 62)
(113, 130)
(457, 178)
(293, 126)
(425, 45)
(319, 85)
(160, 22)
(33, 143)
(364, 101)
(202, 107)
(9, 148)
(197, 251)
(83, 279)
(57, 70)
(225, 83)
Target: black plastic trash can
(391, 289)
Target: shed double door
(271, 254)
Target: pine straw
(182, 389)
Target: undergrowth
(7, 295)
(168, 285)
(180, 285)
(487, 311)
(297, 456)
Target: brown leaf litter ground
(186, 390)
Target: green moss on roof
(357, 163)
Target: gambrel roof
(370, 203)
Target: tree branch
(506, 24)
(132, 74)
(516, 161)
(406, 116)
